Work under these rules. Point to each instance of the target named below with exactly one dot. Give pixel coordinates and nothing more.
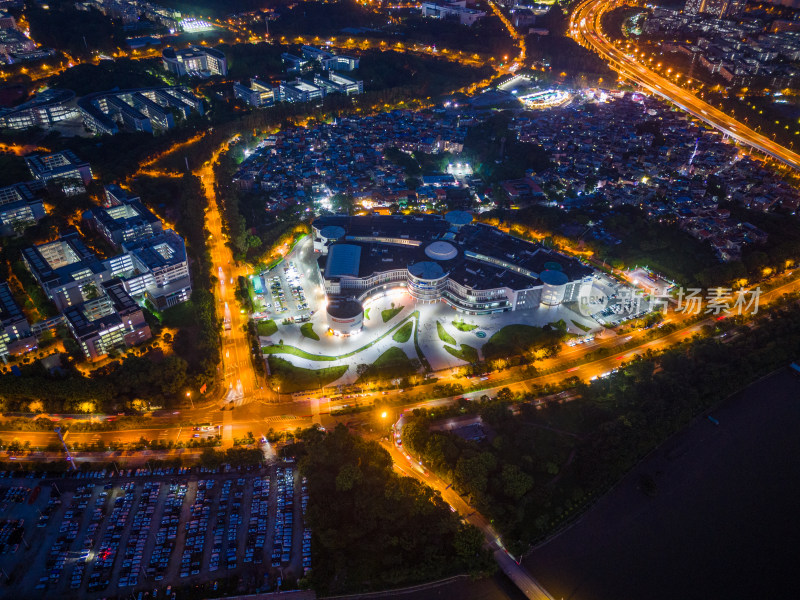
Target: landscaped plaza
(315, 332)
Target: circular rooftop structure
(344, 309)
(458, 218)
(332, 232)
(553, 277)
(426, 270)
(441, 251)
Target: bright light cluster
(194, 25)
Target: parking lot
(292, 289)
(283, 293)
(90, 537)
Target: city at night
(436, 299)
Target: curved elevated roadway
(585, 28)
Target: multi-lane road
(585, 28)
(239, 376)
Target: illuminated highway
(239, 376)
(585, 28)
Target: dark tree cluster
(372, 528)
(496, 154)
(79, 32)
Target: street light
(189, 396)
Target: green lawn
(517, 339)
(307, 329)
(390, 313)
(294, 379)
(580, 326)
(366, 314)
(391, 364)
(266, 328)
(444, 336)
(403, 334)
(286, 349)
(461, 326)
(466, 353)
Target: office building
(299, 90)
(59, 167)
(257, 95)
(336, 83)
(15, 335)
(115, 195)
(44, 110)
(68, 272)
(315, 54)
(296, 64)
(148, 109)
(161, 270)
(340, 62)
(456, 11)
(13, 41)
(126, 222)
(21, 205)
(195, 61)
(108, 322)
(7, 20)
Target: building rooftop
(66, 259)
(343, 259)
(476, 256)
(51, 165)
(164, 249)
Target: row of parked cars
(10, 531)
(137, 539)
(284, 517)
(278, 304)
(67, 533)
(293, 279)
(116, 524)
(167, 531)
(306, 531)
(196, 528)
(259, 519)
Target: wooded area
(373, 529)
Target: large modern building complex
(475, 268)
(100, 299)
(123, 223)
(108, 321)
(456, 10)
(161, 269)
(146, 109)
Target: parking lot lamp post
(189, 396)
